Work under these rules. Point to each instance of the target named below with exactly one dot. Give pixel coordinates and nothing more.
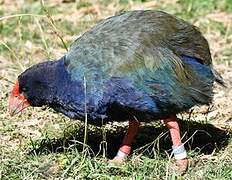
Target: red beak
(17, 101)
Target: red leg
(125, 148)
(172, 125)
(178, 148)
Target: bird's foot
(180, 166)
(119, 159)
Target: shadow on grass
(202, 138)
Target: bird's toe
(180, 166)
(117, 161)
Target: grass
(41, 144)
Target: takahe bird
(135, 66)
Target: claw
(180, 166)
(116, 161)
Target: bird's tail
(218, 78)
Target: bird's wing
(125, 32)
(145, 46)
(139, 62)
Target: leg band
(121, 155)
(179, 152)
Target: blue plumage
(128, 66)
(120, 101)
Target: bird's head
(50, 84)
(36, 86)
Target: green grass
(41, 144)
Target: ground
(41, 144)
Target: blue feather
(140, 64)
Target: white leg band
(121, 154)
(179, 152)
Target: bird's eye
(24, 89)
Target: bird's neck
(72, 97)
